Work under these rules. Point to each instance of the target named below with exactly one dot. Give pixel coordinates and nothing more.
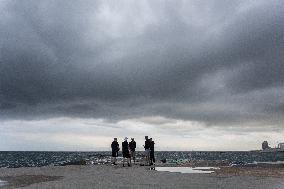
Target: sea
(15, 159)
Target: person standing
(147, 150)
(114, 149)
(152, 152)
(125, 152)
(132, 147)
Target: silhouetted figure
(152, 152)
(147, 150)
(114, 150)
(132, 147)
(265, 145)
(125, 152)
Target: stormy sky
(204, 75)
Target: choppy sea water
(37, 159)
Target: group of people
(128, 151)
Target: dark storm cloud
(217, 62)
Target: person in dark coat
(132, 147)
(125, 152)
(114, 150)
(147, 150)
(152, 152)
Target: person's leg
(149, 160)
(114, 160)
(145, 157)
(152, 157)
(133, 155)
(112, 155)
(123, 160)
(129, 161)
(128, 158)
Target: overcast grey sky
(207, 74)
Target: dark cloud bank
(219, 62)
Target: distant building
(267, 149)
(265, 145)
(281, 146)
